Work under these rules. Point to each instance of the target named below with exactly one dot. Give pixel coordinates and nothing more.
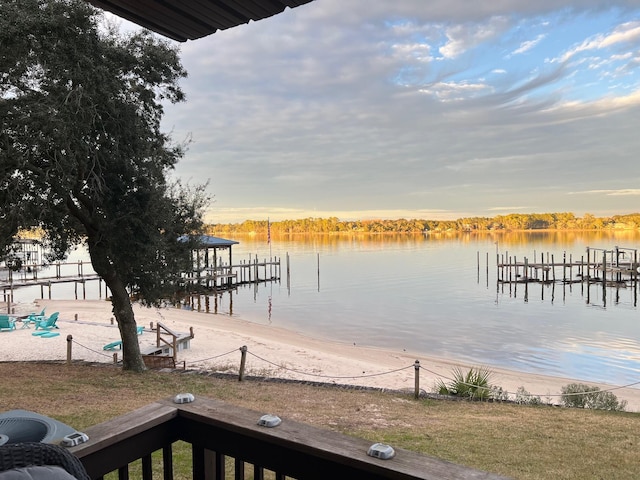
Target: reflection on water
(439, 295)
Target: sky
(421, 109)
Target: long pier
(616, 268)
(219, 278)
(619, 265)
(30, 276)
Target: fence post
(115, 357)
(69, 343)
(243, 360)
(416, 366)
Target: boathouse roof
(209, 241)
(184, 21)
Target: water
(431, 296)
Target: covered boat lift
(208, 263)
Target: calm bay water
(426, 294)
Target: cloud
(455, 91)
(509, 209)
(626, 33)
(387, 108)
(615, 193)
(528, 45)
(463, 37)
(236, 215)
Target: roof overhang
(193, 19)
(209, 241)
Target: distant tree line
(513, 221)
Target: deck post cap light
(269, 421)
(184, 398)
(381, 450)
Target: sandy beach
(272, 351)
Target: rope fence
(416, 366)
(333, 377)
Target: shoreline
(271, 351)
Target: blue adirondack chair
(7, 323)
(48, 323)
(33, 318)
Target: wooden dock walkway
(226, 276)
(219, 278)
(47, 282)
(615, 270)
(30, 275)
(607, 266)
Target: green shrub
(472, 384)
(525, 398)
(498, 394)
(580, 395)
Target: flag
(268, 231)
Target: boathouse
(209, 267)
(209, 245)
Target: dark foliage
(82, 155)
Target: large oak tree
(82, 154)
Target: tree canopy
(512, 221)
(82, 154)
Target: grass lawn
(523, 442)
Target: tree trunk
(122, 309)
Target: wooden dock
(615, 269)
(31, 276)
(224, 276)
(607, 266)
(213, 279)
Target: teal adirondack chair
(33, 318)
(7, 323)
(48, 323)
(38, 315)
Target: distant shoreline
(533, 222)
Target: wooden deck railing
(227, 442)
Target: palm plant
(474, 384)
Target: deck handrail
(217, 431)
